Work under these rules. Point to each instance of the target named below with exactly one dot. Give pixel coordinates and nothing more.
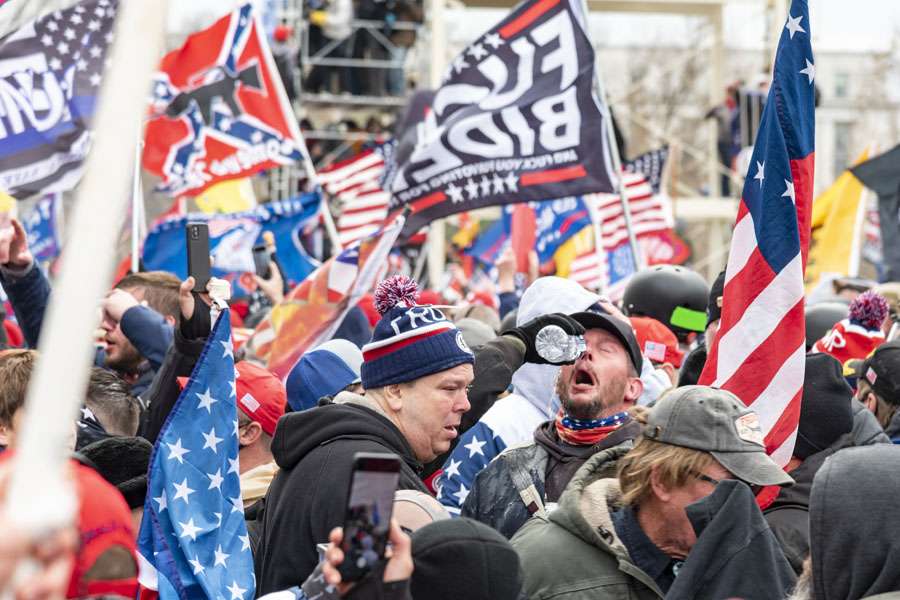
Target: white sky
(837, 24)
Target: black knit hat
(462, 558)
(123, 461)
(714, 308)
(825, 412)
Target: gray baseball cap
(716, 421)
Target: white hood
(537, 383)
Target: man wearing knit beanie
(824, 428)
(416, 371)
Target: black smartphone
(262, 261)
(367, 519)
(197, 238)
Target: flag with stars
(51, 69)
(219, 110)
(193, 541)
(759, 352)
(516, 119)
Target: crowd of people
(552, 444)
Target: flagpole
(856, 243)
(40, 494)
(437, 229)
(137, 205)
(614, 154)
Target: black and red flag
(516, 119)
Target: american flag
(759, 351)
(51, 69)
(356, 185)
(651, 216)
(193, 541)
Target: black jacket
(314, 449)
(496, 497)
(736, 555)
(788, 515)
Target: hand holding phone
(370, 505)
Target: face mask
(656, 381)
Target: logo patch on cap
(250, 403)
(462, 342)
(871, 375)
(655, 351)
(748, 429)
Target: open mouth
(583, 377)
(451, 430)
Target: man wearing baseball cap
(878, 387)
(659, 345)
(680, 505)
(595, 393)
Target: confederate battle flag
(219, 110)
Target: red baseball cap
(260, 395)
(656, 341)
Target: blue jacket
(149, 332)
(29, 293)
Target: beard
(607, 394)
(804, 588)
(127, 359)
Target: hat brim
(592, 320)
(755, 468)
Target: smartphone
(367, 519)
(262, 261)
(197, 238)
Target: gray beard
(804, 588)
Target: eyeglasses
(703, 477)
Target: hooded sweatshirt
(513, 419)
(314, 450)
(853, 538)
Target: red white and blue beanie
(409, 341)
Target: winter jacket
(866, 429)
(149, 332)
(314, 450)
(892, 431)
(788, 515)
(575, 552)
(736, 555)
(29, 293)
(514, 486)
(853, 531)
(495, 363)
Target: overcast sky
(837, 24)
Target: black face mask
(89, 430)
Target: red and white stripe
(757, 354)
(650, 213)
(355, 184)
(375, 350)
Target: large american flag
(651, 213)
(193, 541)
(759, 352)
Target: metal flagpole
(137, 209)
(614, 152)
(40, 495)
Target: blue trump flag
(232, 237)
(42, 227)
(52, 70)
(193, 533)
(555, 222)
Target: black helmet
(821, 317)
(673, 295)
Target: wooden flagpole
(40, 495)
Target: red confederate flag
(219, 110)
